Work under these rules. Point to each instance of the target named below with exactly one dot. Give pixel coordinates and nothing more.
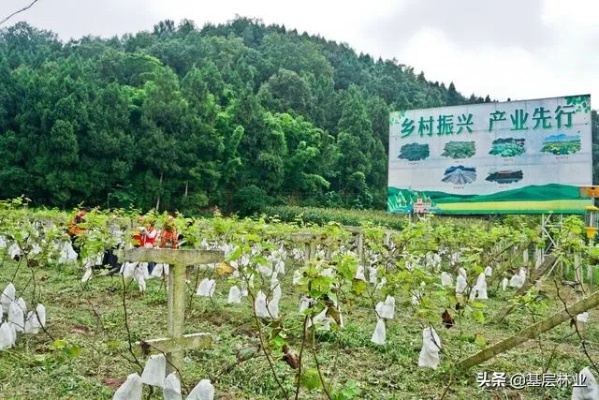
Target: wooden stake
(531, 332)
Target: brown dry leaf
(113, 383)
(290, 357)
(224, 268)
(448, 322)
(79, 329)
(333, 312)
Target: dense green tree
(237, 115)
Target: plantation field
(92, 319)
(85, 352)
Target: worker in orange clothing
(75, 229)
(169, 238)
(139, 237)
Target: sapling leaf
(359, 287)
(478, 316)
(310, 379)
(480, 341)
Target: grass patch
(90, 320)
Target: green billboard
(493, 158)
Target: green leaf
(58, 344)
(277, 343)
(333, 297)
(480, 341)
(113, 344)
(73, 351)
(235, 255)
(358, 287)
(478, 304)
(478, 316)
(310, 379)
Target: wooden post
(176, 343)
(312, 249)
(361, 247)
(578, 270)
(176, 313)
(531, 332)
(307, 251)
(538, 257)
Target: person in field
(139, 237)
(151, 234)
(76, 229)
(169, 239)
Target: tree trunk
(531, 332)
(159, 192)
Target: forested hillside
(236, 115)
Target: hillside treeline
(238, 115)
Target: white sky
(514, 48)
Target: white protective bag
(131, 389)
(36, 320)
(479, 291)
(297, 276)
(504, 283)
(321, 321)
(360, 273)
(8, 296)
(67, 254)
(87, 275)
(461, 282)
(154, 371)
(206, 288)
(587, 388)
(488, 271)
(280, 267)
(234, 295)
(21, 303)
(373, 274)
(379, 309)
(446, 279)
(140, 273)
(128, 270)
(388, 310)
(273, 304)
(265, 270)
(519, 279)
(382, 283)
(431, 345)
(583, 317)
(379, 335)
(305, 303)
(203, 391)
(260, 305)
(6, 336)
(172, 388)
(16, 317)
(244, 289)
(158, 270)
